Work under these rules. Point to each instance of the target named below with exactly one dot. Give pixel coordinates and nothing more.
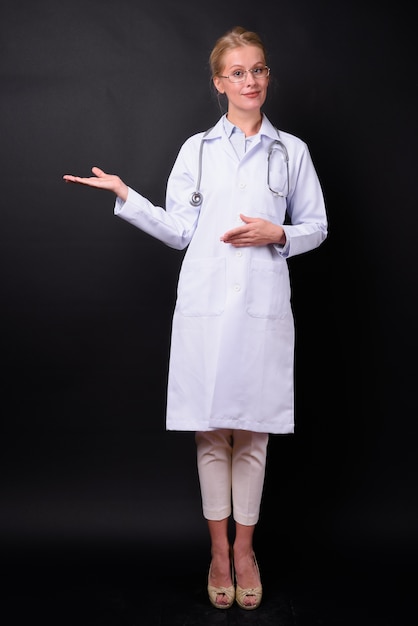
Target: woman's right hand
(101, 180)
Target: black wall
(86, 299)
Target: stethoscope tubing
(196, 198)
(280, 143)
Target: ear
(218, 84)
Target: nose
(249, 78)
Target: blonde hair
(234, 38)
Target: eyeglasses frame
(245, 74)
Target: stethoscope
(196, 198)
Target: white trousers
(231, 467)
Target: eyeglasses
(240, 75)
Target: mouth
(251, 94)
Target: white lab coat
(232, 346)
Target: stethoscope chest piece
(196, 198)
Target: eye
(258, 71)
(238, 73)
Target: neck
(249, 124)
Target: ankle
(243, 550)
(220, 549)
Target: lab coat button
(241, 185)
(237, 288)
(238, 253)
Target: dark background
(86, 299)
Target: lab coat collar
(267, 129)
(218, 130)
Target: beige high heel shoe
(257, 592)
(227, 592)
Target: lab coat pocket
(201, 288)
(269, 289)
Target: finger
(235, 232)
(98, 172)
(246, 218)
(69, 178)
(92, 181)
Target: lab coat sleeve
(308, 226)
(173, 225)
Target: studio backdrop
(87, 299)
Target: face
(250, 94)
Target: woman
(232, 349)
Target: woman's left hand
(254, 232)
